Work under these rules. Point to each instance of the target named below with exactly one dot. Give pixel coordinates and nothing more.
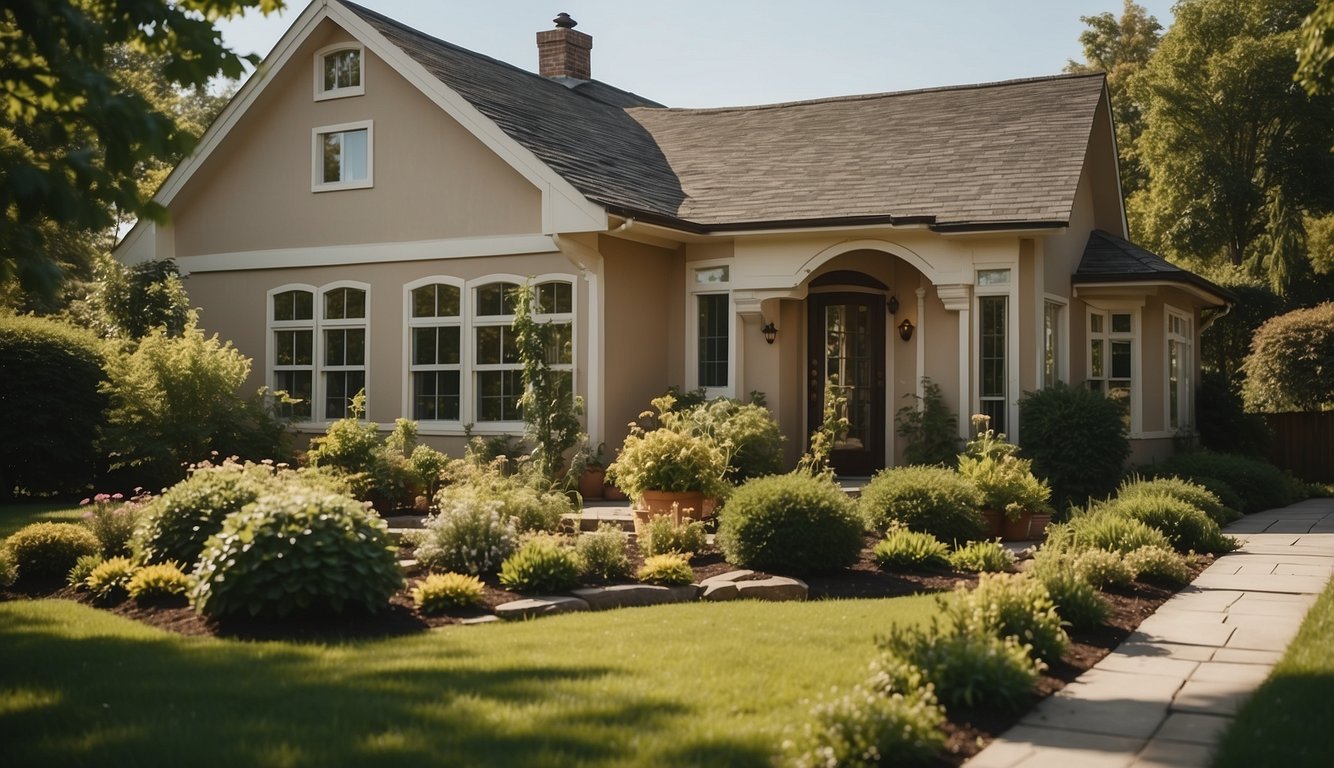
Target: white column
(921, 340)
(958, 298)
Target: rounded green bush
(866, 727)
(1291, 357)
(1103, 569)
(156, 582)
(1187, 528)
(439, 592)
(932, 500)
(1101, 529)
(175, 525)
(663, 535)
(542, 564)
(297, 549)
(1195, 494)
(1076, 600)
(47, 551)
(982, 557)
(1013, 604)
(9, 573)
(790, 523)
(50, 404)
(968, 668)
(1076, 439)
(1159, 565)
(910, 550)
(468, 536)
(666, 570)
(602, 553)
(1260, 484)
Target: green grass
(697, 683)
(1287, 721)
(15, 516)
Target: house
(355, 216)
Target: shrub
(50, 404)
(83, 568)
(869, 727)
(1221, 419)
(524, 495)
(9, 573)
(747, 432)
(602, 552)
(928, 499)
(1101, 529)
(157, 582)
(969, 669)
(1232, 501)
(297, 549)
(1103, 569)
(1076, 439)
(109, 578)
(929, 429)
(663, 535)
(1012, 604)
(1076, 600)
(1195, 494)
(1159, 565)
(175, 525)
(1005, 481)
(666, 570)
(1261, 485)
(910, 550)
(1187, 528)
(792, 523)
(467, 536)
(668, 459)
(113, 520)
(47, 551)
(1291, 357)
(982, 556)
(439, 592)
(541, 564)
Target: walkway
(1165, 695)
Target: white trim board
(370, 253)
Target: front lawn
(15, 516)
(1287, 721)
(697, 683)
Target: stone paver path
(1165, 696)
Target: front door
(846, 352)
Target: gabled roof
(1001, 154)
(1110, 259)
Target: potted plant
(1012, 495)
(592, 472)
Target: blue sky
(696, 53)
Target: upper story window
(343, 156)
(339, 72)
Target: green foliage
(1195, 494)
(1159, 565)
(982, 556)
(667, 570)
(468, 536)
(1315, 57)
(1005, 481)
(1187, 528)
(542, 564)
(1076, 600)
(1101, 529)
(1260, 484)
(50, 404)
(351, 447)
(668, 459)
(130, 300)
(903, 549)
(390, 473)
(932, 500)
(834, 423)
(1290, 362)
(930, 430)
(78, 575)
(790, 523)
(439, 592)
(174, 402)
(294, 550)
(47, 551)
(1076, 440)
(176, 524)
(1102, 568)
(1224, 348)
(602, 552)
(968, 668)
(664, 535)
(9, 572)
(747, 433)
(108, 579)
(157, 582)
(550, 409)
(525, 495)
(113, 520)
(1011, 604)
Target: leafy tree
(1315, 57)
(1121, 47)
(1291, 361)
(130, 301)
(73, 135)
(1236, 154)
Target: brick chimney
(562, 52)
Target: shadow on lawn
(73, 697)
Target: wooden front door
(846, 352)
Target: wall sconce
(893, 305)
(770, 332)
(905, 329)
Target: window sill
(341, 93)
(342, 185)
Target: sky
(709, 53)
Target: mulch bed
(969, 731)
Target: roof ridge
(887, 94)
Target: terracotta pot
(591, 482)
(688, 504)
(1026, 527)
(994, 523)
(612, 493)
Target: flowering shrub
(666, 570)
(1012, 604)
(442, 591)
(542, 564)
(1159, 565)
(870, 727)
(47, 551)
(663, 535)
(602, 552)
(983, 556)
(790, 523)
(157, 582)
(747, 432)
(1005, 481)
(666, 459)
(968, 668)
(113, 519)
(910, 550)
(467, 536)
(524, 495)
(1101, 568)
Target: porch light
(905, 329)
(893, 305)
(770, 332)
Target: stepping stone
(728, 578)
(776, 588)
(540, 606)
(634, 595)
(490, 618)
(718, 591)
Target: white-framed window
(994, 358)
(710, 328)
(344, 327)
(343, 156)
(291, 337)
(1053, 342)
(340, 71)
(1111, 361)
(435, 349)
(1180, 368)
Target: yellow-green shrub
(666, 569)
(47, 551)
(157, 581)
(442, 591)
(110, 578)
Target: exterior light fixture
(893, 305)
(770, 332)
(905, 329)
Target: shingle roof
(1109, 259)
(995, 154)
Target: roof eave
(1201, 287)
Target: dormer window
(339, 72)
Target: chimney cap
(563, 21)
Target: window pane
(423, 301)
(355, 302)
(495, 299)
(332, 154)
(335, 348)
(992, 337)
(713, 339)
(350, 61)
(339, 387)
(447, 301)
(335, 304)
(489, 345)
(331, 72)
(284, 305)
(355, 154)
(555, 298)
(1120, 323)
(560, 350)
(297, 385)
(498, 395)
(993, 276)
(1095, 323)
(1096, 367)
(435, 395)
(424, 346)
(356, 346)
(1051, 329)
(1120, 359)
(712, 275)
